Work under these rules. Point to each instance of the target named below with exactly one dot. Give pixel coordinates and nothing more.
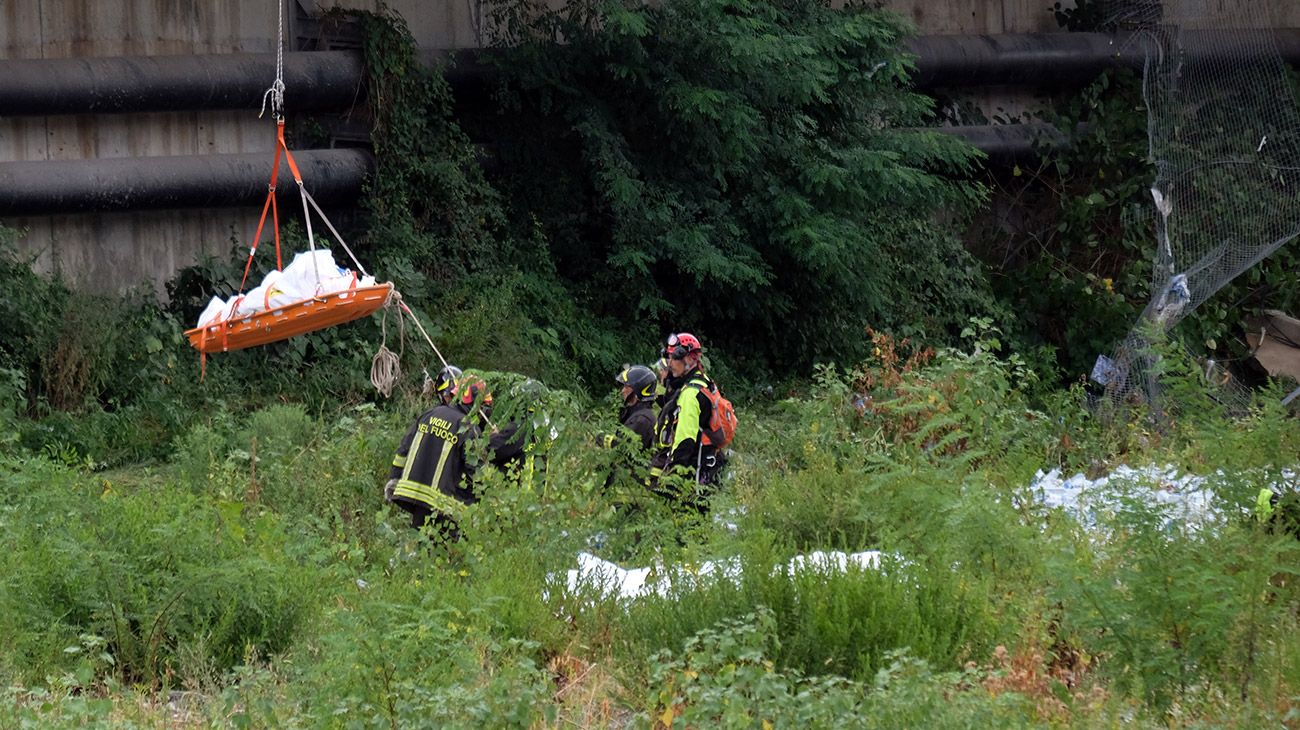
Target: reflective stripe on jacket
(685, 411)
(430, 466)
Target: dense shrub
(739, 169)
(169, 585)
(410, 654)
(725, 676)
(830, 622)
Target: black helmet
(445, 383)
(640, 379)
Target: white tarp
(1186, 496)
(298, 281)
(609, 579)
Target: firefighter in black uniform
(430, 477)
(638, 414)
(444, 385)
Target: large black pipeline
(201, 181)
(39, 87)
(333, 176)
(332, 79)
(1062, 60)
(1006, 144)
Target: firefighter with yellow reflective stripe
(638, 413)
(680, 448)
(1278, 509)
(430, 477)
(444, 386)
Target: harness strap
(269, 205)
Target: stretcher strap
(302, 191)
(330, 225)
(261, 223)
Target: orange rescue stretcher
(291, 320)
(296, 318)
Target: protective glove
(388, 490)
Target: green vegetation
(744, 170)
(256, 574)
(218, 553)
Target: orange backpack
(722, 424)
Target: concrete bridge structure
(111, 249)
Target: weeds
(259, 569)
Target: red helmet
(682, 344)
(468, 390)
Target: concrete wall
(113, 251)
(976, 16)
(436, 24)
(457, 23)
(119, 250)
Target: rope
(337, 236)
(311, 237)
(396, 297)
(386, 366)
(276, 93)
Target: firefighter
(430, 476)
(638, 415)
(661, 372)
(1278, 509)
(681, 448)
(444, 386)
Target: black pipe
(1029, 59)
(1061, 60)
(332, 176)
(313, 80)
(201, 181)
(332, 79)
(1006, 144)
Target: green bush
(199, 453)
(411, 652)
(159, 576)
(725, 676)
(829, 622)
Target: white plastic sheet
(609, 579)
(298, 281)
(1186, 497)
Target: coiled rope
(386, 366)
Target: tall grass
(166, 586)
(258, 567)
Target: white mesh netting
(1224, 134)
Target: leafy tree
(431, 209)
(748, 170)
(1068, 246)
